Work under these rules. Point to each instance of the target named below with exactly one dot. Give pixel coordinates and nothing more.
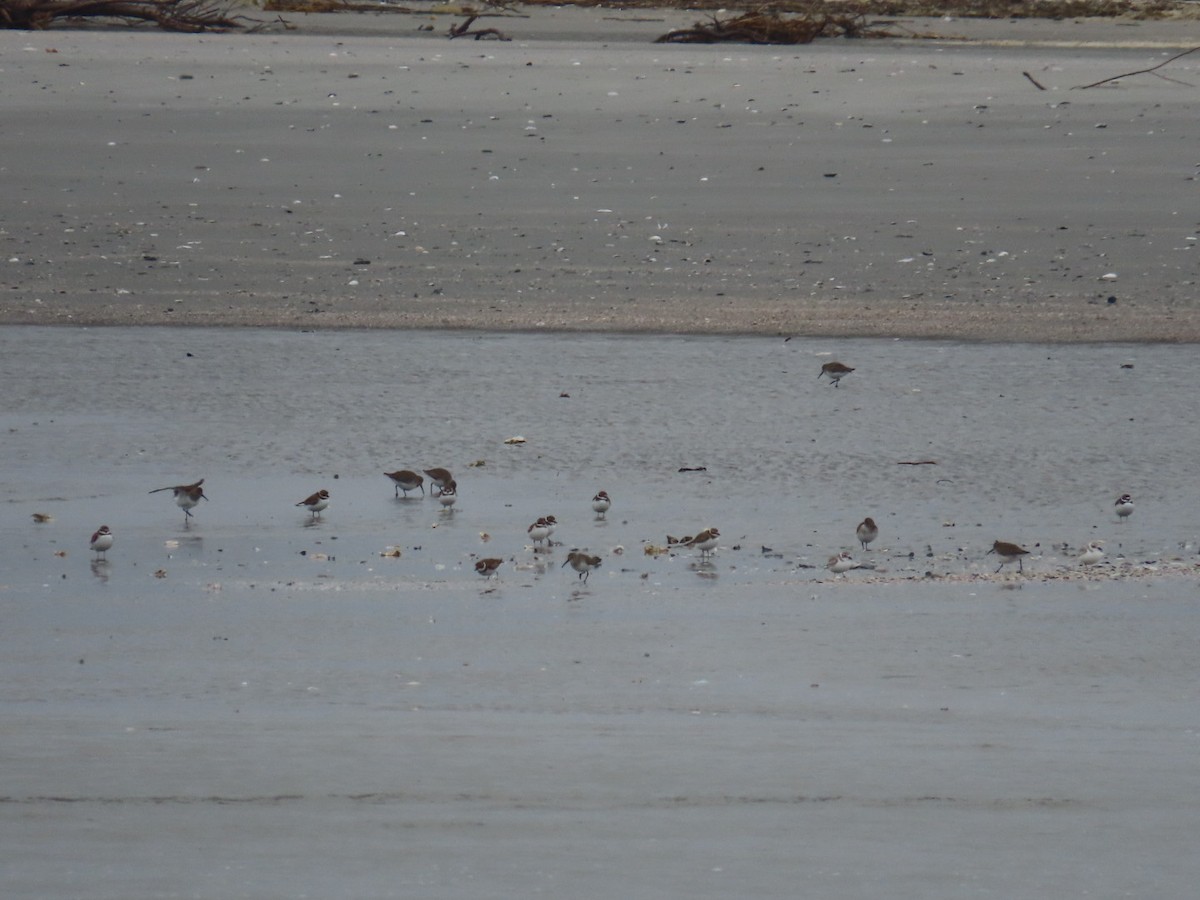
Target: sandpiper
(836, 372)
(406, 480)
(439, 477)
(582, 563)
(1008, 553)
(867, 531)
(186, 496)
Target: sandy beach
(578, 261)
(357, 171)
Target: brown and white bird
(487, 567)
(538, 532)
(582, 563)
(1009, 553)
(841, 563)
(1124, 506)
(601, 504)
(1092, 554)
(316, 503)
(186, 496)
(406, 480)
(867, 531)
(836, 372)
(101, 541)
(705, 541)
(439, 478)
(448, 495)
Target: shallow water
(283, 711)
(1031, 443)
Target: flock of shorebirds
(187, 496)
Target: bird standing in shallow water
(101, 541)
(449, 494)
(582, 563)
(1009, 553)
(406, 480)
(186, 496)
(538, 532)
(440, 478)
(836, 372)
(601, 504)
(705, 541)
(316, 503)
(1124, 506)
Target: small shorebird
(867, 531)
(1092, 554)
(186, 496)
(316, 503)
(406, 480)
(439, 477)
(448, 495)
(101, 541)
(836, 372)
(1124, 506)
(841, 563)
(538, 531)
(582, 563)
(551, 523)
(705, 541)
(487, 567)
(601, 504)
(1008, 553)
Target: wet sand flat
(360, 172)
(265, 704)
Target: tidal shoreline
(358, 172)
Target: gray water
(261, 705)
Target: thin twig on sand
(1084, 87)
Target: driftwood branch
(1084, 87)
(171, 15)
(1037, 84)
(464, 30)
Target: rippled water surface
(261, 704)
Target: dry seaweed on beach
(170, 15)
(768, 26)
(332, 6)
